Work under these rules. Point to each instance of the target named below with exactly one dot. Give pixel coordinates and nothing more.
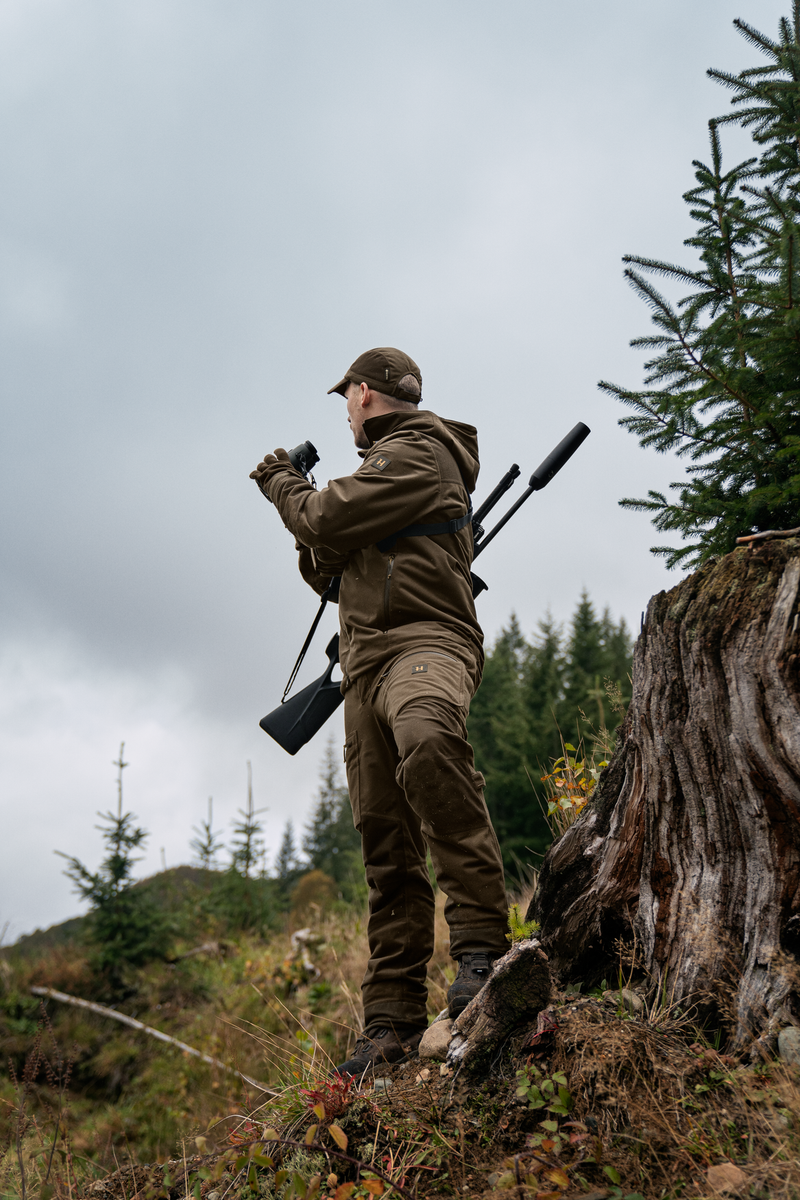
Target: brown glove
(266, 467)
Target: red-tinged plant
(332, 1095)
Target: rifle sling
(330, 593)
(453, 526)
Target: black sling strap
(426, 530)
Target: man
(398, 533)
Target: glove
(266, 467)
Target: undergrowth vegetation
(601, 1097)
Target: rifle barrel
(541, 477)
(505, 483)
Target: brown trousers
(413, 785)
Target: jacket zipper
(386, 590)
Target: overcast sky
(209, 209)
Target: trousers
(413, 787)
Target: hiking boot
(381, 1044)
(473, 971)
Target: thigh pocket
(352, 769)
(428, 673)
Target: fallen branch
(102, 1011)
(207, 948)
(768, 533)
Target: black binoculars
(303, 457)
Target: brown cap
(382, 369)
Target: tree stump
(690, 850)
(516, 991)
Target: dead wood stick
(768, 533)
(102, 1011)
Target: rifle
(295, 721)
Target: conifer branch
(757, 39)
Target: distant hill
(167, 888)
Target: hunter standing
(398, 533)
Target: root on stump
(517, 989)
(690, 851)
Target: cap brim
(341, 387)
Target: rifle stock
(295, 722)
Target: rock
(493, 1178)
(789, 1045)
(627, 999)
(726, 1178)
(382, 1085)
(435, 1040)
(445, 1070)
(424, 1075)
(444, 1015)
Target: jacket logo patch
(419, 668)
(380, 464)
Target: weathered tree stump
(690, 850)
(517, 989)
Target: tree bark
(690, 850)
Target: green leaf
(613, 1174)
(299, 1187)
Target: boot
(381, 1044)
(473, 971)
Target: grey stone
(789, 1045)
(627, 999)
(435, 1041)
(382, 1085)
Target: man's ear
(366, 396)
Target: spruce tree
(725, 373)
(287, 864)
(330, 842)
(500, 733)
(126, 928)
(248, 845)
(529, 695)
(543, 683)
(206, 845)
(242, 897)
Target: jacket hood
(459, 439)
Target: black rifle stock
(295, 721)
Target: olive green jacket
(419, 469)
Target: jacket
(419, 469)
